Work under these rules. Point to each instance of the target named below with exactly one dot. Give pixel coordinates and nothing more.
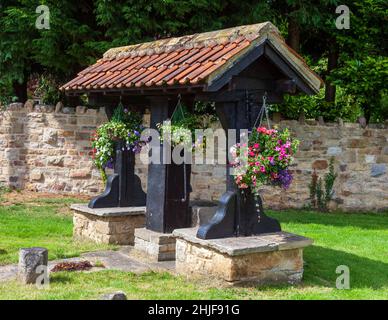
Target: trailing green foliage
(320, 195)
(124, 128)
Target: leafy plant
(320, 195)
(124, 127)
(313, 189)
(180, 129)
(47, 89)
(329, 182)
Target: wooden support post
(168, 196)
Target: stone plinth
(156, 246)
(268, 258)
(107, 225)
(30, 262)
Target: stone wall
(49, 150)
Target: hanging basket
(265, 158)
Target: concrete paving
(124, 259)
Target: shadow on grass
(358, 220)
(321, 264)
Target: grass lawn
(34, 221)
(359, 241)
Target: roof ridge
(211, 38)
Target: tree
(71, 43)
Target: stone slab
(154, 237)
(157, 246)
(109, 212)
(236, 246)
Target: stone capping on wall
(60, 108)
(236, 246)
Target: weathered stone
(362, 122)
(370, 158)
(357, 143)
(55, 161)
(378, 170)
(81, 109)
(82, 136)
(29, 260)
(306, 145)
(67, 110)
(50, 136)
(208, 258)
(80, 174)
(58, 107)
(15, 106)
(29, 105)
(114, 296)
(36, 176)
(157, 246)
(105, 228)
(320, 164)
(334, 151)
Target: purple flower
(109, 164)
(126, 110)
(137, 133)
(285, 178)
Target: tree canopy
(352, 61)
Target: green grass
(359, 241)
(41, 222)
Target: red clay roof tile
(189, 60)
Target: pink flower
(252, 154)
(243, 186)
(256, 146)
(262, 169)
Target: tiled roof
(189, 60)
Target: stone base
(157, 246)
(269, 258)
(107, 225)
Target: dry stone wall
(47, 149)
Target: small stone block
(157, 246)
(114, 296)
(154, 237)
(29, 260)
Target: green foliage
(125, 127)
(366, 81)
(313, 189)
(48, 90)
(182, 126)
(329, 182)
(320, 195)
